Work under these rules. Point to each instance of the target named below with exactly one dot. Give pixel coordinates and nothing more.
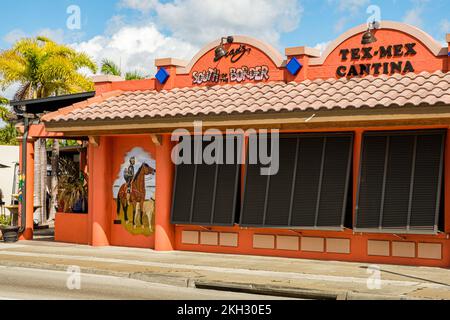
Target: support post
(29, 193)
(165, 231)
(99, 193)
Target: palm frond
(44, 68)
(134, 75)
(110, 68)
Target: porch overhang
(305, 120)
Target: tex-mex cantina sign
(361, 65)
(236, 75)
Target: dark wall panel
(227, 187)
(308, 180)
(371, 181)
(181, 211)
(335, 181)
(255, 196)
(398, 180)
(204, 193)
(280, 188)
(426, 181)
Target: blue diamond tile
(162, 75)
(294, 66)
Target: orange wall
(358, 245)
(424, 60)
(358, 251)
(72, 228)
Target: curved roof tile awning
(425, 89)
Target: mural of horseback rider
(133, 193)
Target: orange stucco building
(364, 169)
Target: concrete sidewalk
(264, 275)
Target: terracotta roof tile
(396, 90)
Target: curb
(192, 282)
(289, 292)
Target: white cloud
(136, 48)
(9, 92)
(339, 26)
(179, 28)
(14, 35)
(141, 5)
(57, 35)
(264, 19)
(351, 6)
(348, 9)
(445, 26)
(322, 46)
(414, 15)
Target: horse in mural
(136, 195)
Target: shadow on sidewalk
(411, 277)
(47, 234)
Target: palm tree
(45, 68)
(135, 75)
(109, 67)
(8, 134)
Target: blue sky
(135, 32)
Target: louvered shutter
(400, 182)
(207, 194)
(310, 189)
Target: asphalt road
(35, 284)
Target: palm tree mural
(44, 68)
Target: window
(311, 188)
(207, 194)
(400, 183)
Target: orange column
(447, 183)
(99, 191)
(165, 233)
(359, 244)
(29, 185)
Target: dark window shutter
(373, 164)
(181, 211)
(308, 181)
(207, 194)
(204, 193)
(255, 196)
(427, 182)
(400, 181)
(280, 186)
(310, 189)
(335, 182)
(227, 187)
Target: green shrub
(5, 221)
